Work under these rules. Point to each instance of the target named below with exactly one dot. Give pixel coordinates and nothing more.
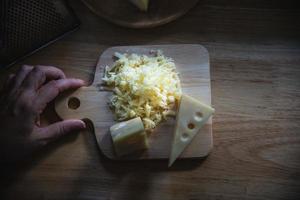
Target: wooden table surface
(254, 51)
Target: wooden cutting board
(192, 63)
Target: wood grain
(123, 13)
(254, 49)
(192, 64)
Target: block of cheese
(191, 116)
(141, 4)
(129, 136)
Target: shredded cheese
(144, 86)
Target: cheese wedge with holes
(191, 117)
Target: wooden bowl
(123, 13)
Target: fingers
(50, 90)
(20, 76)
(58, 129)
(38, 76)
(8, 83)
(10, 80)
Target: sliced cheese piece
(191, 116)
(141, 4)
(129, 136)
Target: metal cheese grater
(28, 25)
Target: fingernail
(83, 124)
(80, 81)
(29, 67)
(79, 123)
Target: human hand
(22, 100)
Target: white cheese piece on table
(129, 136)
(191, 116)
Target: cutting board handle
(82, 103)
(87, 103)
(71, 104)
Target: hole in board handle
(73, 103)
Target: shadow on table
(150, 165)
(13, 172)
(129, 179)
(124, 175)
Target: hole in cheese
(184, 137)
(198, 116)
(191, 126)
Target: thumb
(59, 129)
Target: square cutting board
(192, 63)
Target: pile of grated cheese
(144, 86)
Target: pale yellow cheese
(141, 4)
(129, 136)
(191, 116)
